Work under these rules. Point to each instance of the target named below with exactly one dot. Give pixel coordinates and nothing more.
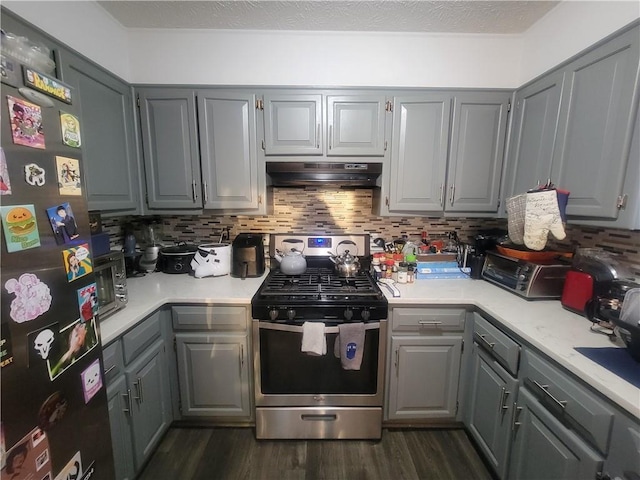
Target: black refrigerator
(54, 414)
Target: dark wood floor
(234, 453)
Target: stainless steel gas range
(301, 395)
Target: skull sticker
(43, 343)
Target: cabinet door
(424, 374)
(120, 421)
(544, 448)
(228, 146)
(213, 374)
(170, 143)
(596, 127)
(477, 148)
(148, 381)
(107, 135)
(356, 125)
(293, 124)
(493, 394)
(534, 133)
(419, 152)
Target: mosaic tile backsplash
(331, 211)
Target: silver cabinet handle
(193, 190)
(241, 357)
(453, 193)
(138, 385)
(205, 192)
(129, 404)
(318, 137)
(516, 415)
(429, 323)
(109, 370)
(503, 398)
(397, 360)
(442, 194)
(545, 389)
(484, 341)
(330, 136)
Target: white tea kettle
(291, 258)
(213, 259)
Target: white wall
(569, 28)
(83, 26)
(328, 58)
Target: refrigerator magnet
(26, 123)
(88, 302)
(68, 172)
(70, 130)
(33, 297)
(43, 343)
(29, 458)
(76, 340)
(52, 411)
(34, 175)
(72, 470)
(91, 380)
(63, 223)
(46, 84)
(5, 182)
(20, 227)
(6, 347)
(77, 262)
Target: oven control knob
(366, 314)
(291, 314)
(348, 314)
(273, 314)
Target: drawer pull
(483, 340)
(516, 415)
(429, 323)
(138, 385)
(319, 418)
(503, 398)
(545, 389)
(109, 370)
(128, 395)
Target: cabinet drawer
(581, 410)
(112, 361)
(193, 317)
(140, 337)
(427, 320)
(502, 347)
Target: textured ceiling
(454, 16)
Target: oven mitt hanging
(516, 207)
(542, 216)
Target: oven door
(285, 376)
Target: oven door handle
(284, 327)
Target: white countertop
(543, 324)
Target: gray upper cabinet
(419, 152)
(293, 124)
(170, 144)
(477, 148)
(356, 125)
(596, 127)
(228, 150)
(534, 132)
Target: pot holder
(515, 215)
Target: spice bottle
(402, 272)
(411, 275)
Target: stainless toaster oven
(542, 280)
(111, 283)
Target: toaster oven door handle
(284, 327)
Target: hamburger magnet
(20, 227)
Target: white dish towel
(314, 341)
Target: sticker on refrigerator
(29, 458)
(46, 84)
(20, 227)
(72, 470)
(26, 123)
(70, 130)
(52, 411)
(33, 297)
(63, 223)
(68, 171)
(77, 262)
(76, 340)
(6, 348)
(43, 344)
(5, 183)
(91, 380)
(34, 175)
(88, 302)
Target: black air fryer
(247, 255)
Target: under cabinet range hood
(300, 174)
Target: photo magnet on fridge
(76, 340)
(28, 458)
(68, 171)
(63, 224)
(5, 182)
(77, 262)
(20, 227)
(88, 302)
(33, 297)
(26, 123)
(70, 130)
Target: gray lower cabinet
(170, 148)
(118, 398)
(108, 135)
(293, 124)
(212, 345)
(544, 448)
(227, 133)
(425, 351)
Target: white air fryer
(212, 260)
